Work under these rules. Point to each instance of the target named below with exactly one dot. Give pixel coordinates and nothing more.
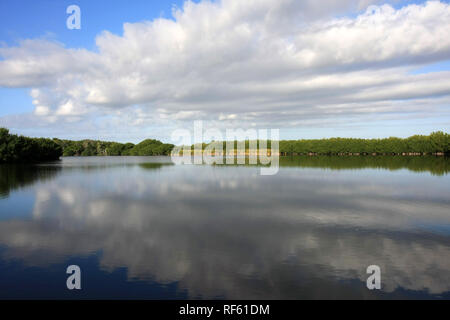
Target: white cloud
(259, 61)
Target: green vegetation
(14, 148)
(435, 143)
(150, 147)
(87, 148)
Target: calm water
(141, 227)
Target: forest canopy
(87, 148)
(435, 143)
(14, 148)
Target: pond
(143, 227)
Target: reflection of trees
(220, 232)
(106, 166)
(434, 165)
(154, 166)
(13, 176)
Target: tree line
(435, 143)
(85, 148)
(14, 148)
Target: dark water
(145, 228)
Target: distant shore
(14, 148)
(311, 154)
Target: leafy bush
(150, 147)
(14, 148)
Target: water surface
(142, 227)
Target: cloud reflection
(226, 231)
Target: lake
(142, 227)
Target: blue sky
(23, 19)
(28, 19)
(42, 106)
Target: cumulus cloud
(262, 62)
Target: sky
(141, 69)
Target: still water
(142, 227)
